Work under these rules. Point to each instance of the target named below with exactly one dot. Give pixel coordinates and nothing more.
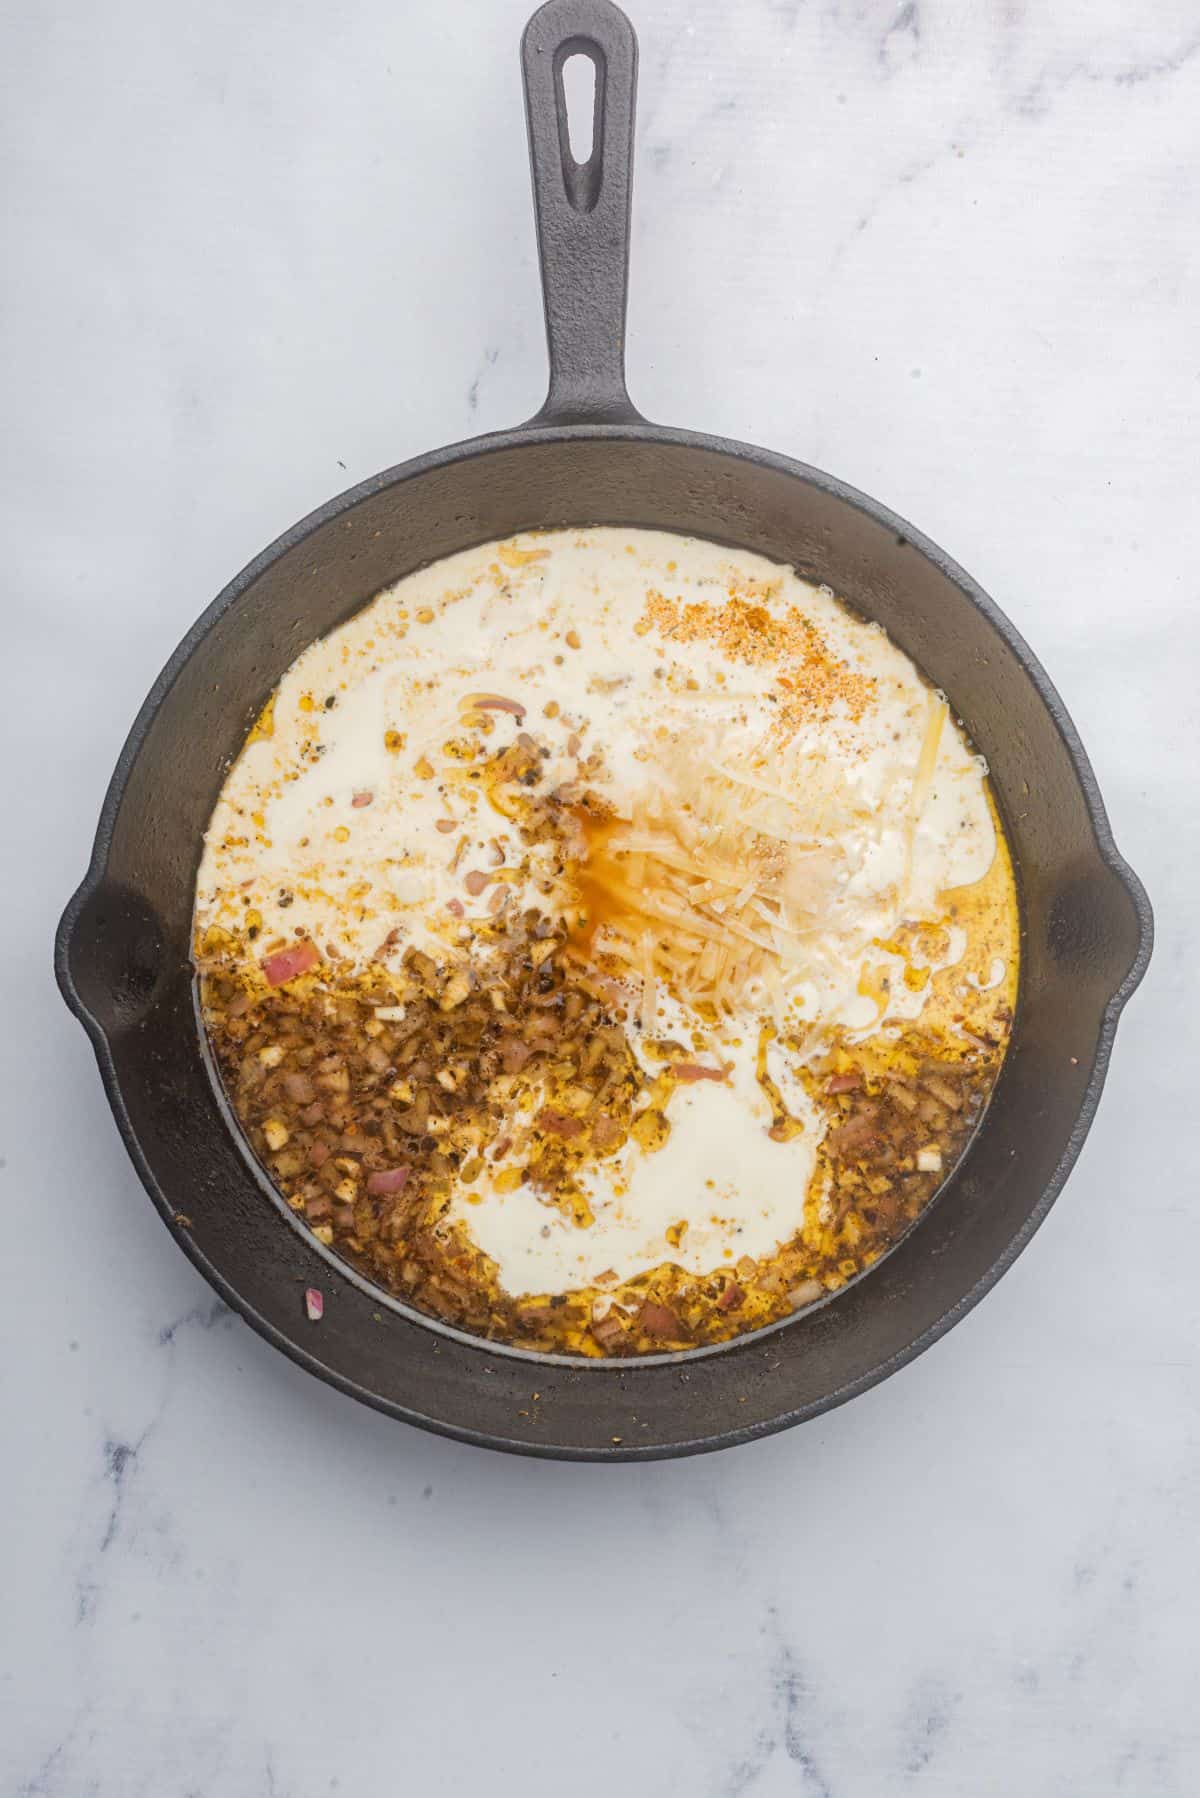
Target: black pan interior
(125, 943)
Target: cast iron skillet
(589, 457)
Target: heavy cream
(355, 816)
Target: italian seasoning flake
(810, 681)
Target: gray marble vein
(258, 251)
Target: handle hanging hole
(579, 99)
(579, 82)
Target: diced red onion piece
(314, 1304)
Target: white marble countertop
(947, 250)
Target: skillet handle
(582, 209)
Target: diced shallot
(859, 1129)
(658, 1320)
(692, 1070)
(559, 1123)
(361, 799)
(806, 1293)
(606, 1132)
(314, 1304)
(608, 1331)
(942, 1089)
(289, 964)
(513, 1054)
(494, 702)
(388, 1180)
